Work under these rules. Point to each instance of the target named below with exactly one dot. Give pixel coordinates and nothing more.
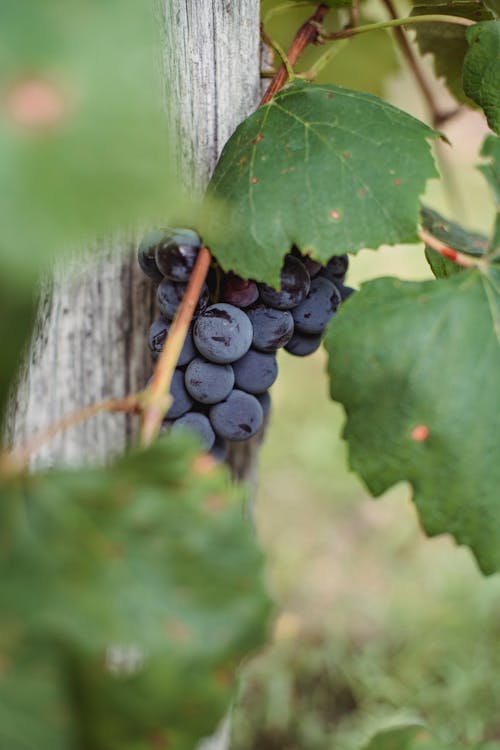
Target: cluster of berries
(220, 388)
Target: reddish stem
(307, 34)
(461, 259)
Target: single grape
(336, 268)
(239, 417)
(170, 296)
(344, 291)
(239, 292)
(176, 254)
(301, 344)
(264, 400)
(313, 266)
(146, 254)
(199, 424)
(255, 372)
(207, 382)
(223, 333)
(313, 314)
(271, 328)
(157, 336)
(294, 286)
(181, 400)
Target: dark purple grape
(264, 400)
(146, 254)
(294, 285)
(313, 314)
(313, 266)
(157, 336)
(271, 328)
(301, 345)
(239, 417)
(344, 291)
(182, 401)
(207, 382)
(176, 254)
(199, 424)
(239, 292)
(170, 296)
(255, 372)
(336, 268)
(223, 333)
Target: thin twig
(461, 259)
(16, 459)
(438, 117)
(276, 47)
(155, 398)
(408, 21)
(308, 33)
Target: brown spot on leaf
(335, 215)
(255, 180)
(329, 95)
(257, 139)
(397, 181)
(36, 104)
(178, 631)
(420, 433)
(362, 192)
(346, 154)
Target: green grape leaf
(416, 367)
(325, 168)
(83, 146)
(147, 577)
(447, 42)
(481, 70)
(455, 236)
(491, 170)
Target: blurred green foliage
(83, 143)
(128, 594)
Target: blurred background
(375, 622)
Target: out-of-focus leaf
(325, 168)
(147, 578)
(83, 147)
(455, 236)
(481, 71)
(446, 42)
(35, 706)
(491, 170)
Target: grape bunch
(220, 388)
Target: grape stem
(155, 399)
(14, 461)
(309, 33)
(461, 259)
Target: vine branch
(438, 117)
(16, 459)
(309, 33)
(156, 398)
